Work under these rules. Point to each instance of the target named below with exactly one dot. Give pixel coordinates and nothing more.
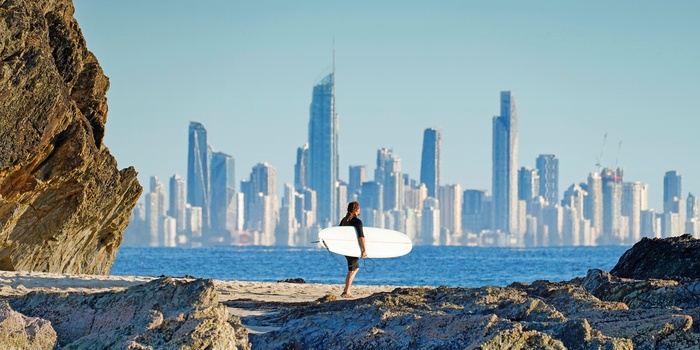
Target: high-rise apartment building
(430, 160)
(357, 175)
(450, 199)
(223, 189)
(548, 170)
(323, 149)
(372, 196)
(528, 185)
(198, 170)
(261, 203)
(594, 203)
(632, 209)
(474, 207)
(178, 201)
(155, 212)
(505, 166)
(288, 224)
(672, 191)
(612, 206)
(301, 168)
(673, 218)
(388, 174)
(430, 222)
(691, 207)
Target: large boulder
(19, 332)
(63, 202)
(669, 258)
(165, 313)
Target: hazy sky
(246, 69)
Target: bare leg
(348, 282)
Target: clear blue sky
(245, 69)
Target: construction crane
(619, 145)
(600, 156)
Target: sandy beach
(17, 283)
(13, 283)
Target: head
(353, 211)
(354, 208)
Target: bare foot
(347, 295)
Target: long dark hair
(352, 207)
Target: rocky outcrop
(63, 202)
(20, 332)
(514, 317)
(165, 313)
(669, 258)
(657, 309)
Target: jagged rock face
(668, 258)
(165, 313)
(63, 202)
(19, 332)
(516, 317)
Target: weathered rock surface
(599, 311)
(20, 332)
(669, 258)
(63, 202)
(515, 317)
(165, 313)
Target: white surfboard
(379, 242)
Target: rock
(164, 313)
(643, 293)
(63, 202)
(668, 258)
(21, 332)
(292, 280)
(584, 313)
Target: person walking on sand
(352, 219)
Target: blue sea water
(424, 266)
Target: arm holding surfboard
(361, 240)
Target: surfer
(351, 219)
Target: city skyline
(604, 211)
(245, 69)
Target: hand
(364, 254)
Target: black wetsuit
(354, 262)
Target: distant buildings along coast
(522, 209)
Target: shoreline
(19, 283)
(16, 283)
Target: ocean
(423, 266)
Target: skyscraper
(505, 166)
(672, 191)
(632, 208)
(388, 174)
(473, 210)
(155, 212)
(430, 222)
(528, 184)
(673, 222)
(323, 149)
(357, 175)
(198, 170)
(612, 205)
(594, 203)
(301, 168)
(430, 160)
(450, 200)
(223, 188)
(261, 203)
(178, 202)
(548, 169)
